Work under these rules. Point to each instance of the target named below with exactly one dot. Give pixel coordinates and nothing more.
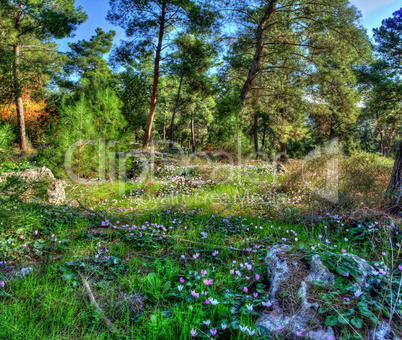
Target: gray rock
(382, 332)
(56, 192)
(278, 270)
(364, 266)
(318, 272)
(24, 272)
(303, 318)
(29, 175)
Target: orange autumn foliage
(35, 113)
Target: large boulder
(55, 189)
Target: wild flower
(207, 302)
(82, 264)
(2, 283)
(257, 277)
(203, 272)
(223, 326)
(358, 293)
(250, 332)
(193, 333)
(343, 251)
(255, 295)
(204, 235)
(249, 307)
(232, 272)
(181, 280)
(245, 289)
(213, 302)
(298, 334)
(180, 288)
(243, 329)
(400, 267)
(206, 323)
(196, 255)
(267, 304)
(183, 257)
(213, 331)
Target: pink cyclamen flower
(346, 275)
(232, 272)
(299, 334)
(376, 264)
(193, 333)
(21, 237)
(213, 331)
(207, 302)
(245, 289)
(400, 267)
(255, 295)
(36, 232)
(343, 251)
(383, 253)
(25, 245)
(203, 272)
(223, 326)
(181, 280)
(1, 283)
(183, 257)
(257, 277)
(280, 328)
(206, 323)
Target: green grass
(51, 302)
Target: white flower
(267, 304)
(213, 302)
(249, 307)
(180, 288)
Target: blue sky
(374, 11)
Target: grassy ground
(182, 251)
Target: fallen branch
(108, 323)
(90, 210)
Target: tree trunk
(175, 111)
(18, 90)
(393, 195)
(332, 128)
(192, 135)
(263, 135)
(283, 157)
(148, 129)
(389, 142)
(256, 132)
(381, 143)
(255, 66)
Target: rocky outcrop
(55, 189)
(282, 267)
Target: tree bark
(18, 90)
(174, 112)
(148, 129)
(393, 196)
(389, 142)
(256, 132)
(192, 135)
(332, 127)
(255, 66)
(283, 157)
(263, 135)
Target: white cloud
(366, 6)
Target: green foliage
(89, 123)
